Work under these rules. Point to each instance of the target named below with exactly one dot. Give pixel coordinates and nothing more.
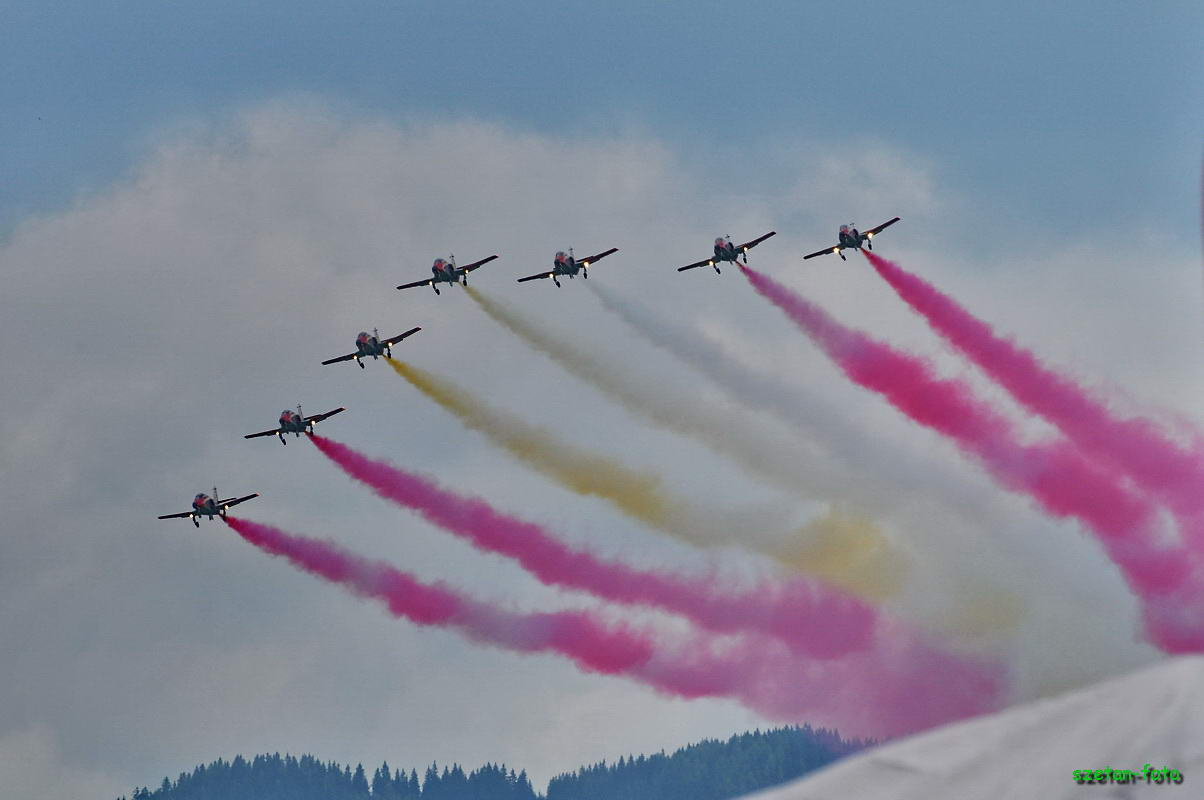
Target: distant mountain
(708, 770)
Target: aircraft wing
(347, 357)
(882, 227)
(177, 516)
(272, 432)
(536, 276)
(426, 282)
(599, 256)
(399, 337)
(475, 264)
(704, 263)
(314, 418)
(823, 252)
(750, 245)
(233, 501)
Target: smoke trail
(643, 497)
(872, 473)
(578, 635)
(810, 618)
(636, 493)
(910, 689)
(786, 467)
(1054, 474)
(716, 428)
(878, 475)
(1136, 446)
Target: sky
(200, 202)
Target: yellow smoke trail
(849, 548)
(861, 564)
(637, 494)
(787, 465)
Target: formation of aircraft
(204, 505)
(726, 251)
(371, 345)
(567, 264)
(446, 271)
(849, 238)
(294, 422)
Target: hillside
(708, 770)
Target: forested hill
(708, 770)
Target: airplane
(851, 239)
(726, 251)
(372, 345)
(446, 271)
(204, 505)
(567, 264)
(295, 423)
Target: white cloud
(32, 765)
(145, 330)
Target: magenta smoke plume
(1055, 474)
(1138, 447)
(906, 690)
(813, 619)
(578, 635)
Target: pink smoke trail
(813, 619)
(575, 634)
(1137, 447)
(867, 694)
(1055, 474)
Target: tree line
(708, 770)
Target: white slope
(1153, 716)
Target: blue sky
(1050, 113)
(199, 201)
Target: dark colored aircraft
(566, 264)
(726, 251)
(372, 345)
(204, 505)
(295, 423)
(446, 271)
(851, 239)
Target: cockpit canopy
(286, 414)
(719, 242)
(440, 264)
(363, 337)
(200, 499)
(844, 228)
(561, 255)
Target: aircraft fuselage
(205, 506)
(568, 266)
(853, 240)
(371, 347)
(292, 422)
(445, 275)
